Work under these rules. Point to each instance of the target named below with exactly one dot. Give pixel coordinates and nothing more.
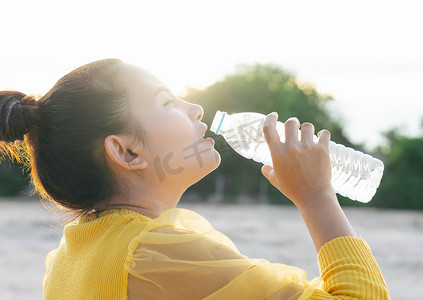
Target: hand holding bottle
(354, 174)
(301, 168)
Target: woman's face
(175, 147)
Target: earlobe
(117, 151)
(135, 161)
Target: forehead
(140, 83)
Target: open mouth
(209, 139)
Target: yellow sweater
(179, 255)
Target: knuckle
(291, 151)
(308, 127)
(307, 147)
(307, 124)
(292, 122)
(277, 148)
(266, 126)
(266, 131)
(325, 131)
(321, 149)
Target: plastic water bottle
(354, 174)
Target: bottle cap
(217, 121)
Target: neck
(151, 212)
(148, 204)
(146, 196)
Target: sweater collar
(115, 211)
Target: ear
(117, 150)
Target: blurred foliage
(13, 181)
(267, 88)
(402, 183)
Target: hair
(60, 137)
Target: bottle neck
(221, 122)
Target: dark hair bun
(18, 115)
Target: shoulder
(178, 220)
(177, 230)
(181, 217)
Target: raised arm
(302, 172)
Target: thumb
(269, 129)
(269, 173)
(266, 171)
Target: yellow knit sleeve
(349, 269)
(48, 260)
(181, 256)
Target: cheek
(172, 139)
(179, 149)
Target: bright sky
(367, 54)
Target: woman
(111, 144)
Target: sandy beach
(276, 233)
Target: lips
(205, 129)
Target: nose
(197, 112)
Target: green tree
(12, 179)
(401, 185)
(263, 89)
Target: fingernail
(294, 118)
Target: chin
(210, 167)
(218, 160)
(206, 169)
(214, 162)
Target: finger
(324, 137)
(265, 169)
(291, 130)
(267, 172)
(269, 129)
(307, 132)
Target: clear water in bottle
(354, 174)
